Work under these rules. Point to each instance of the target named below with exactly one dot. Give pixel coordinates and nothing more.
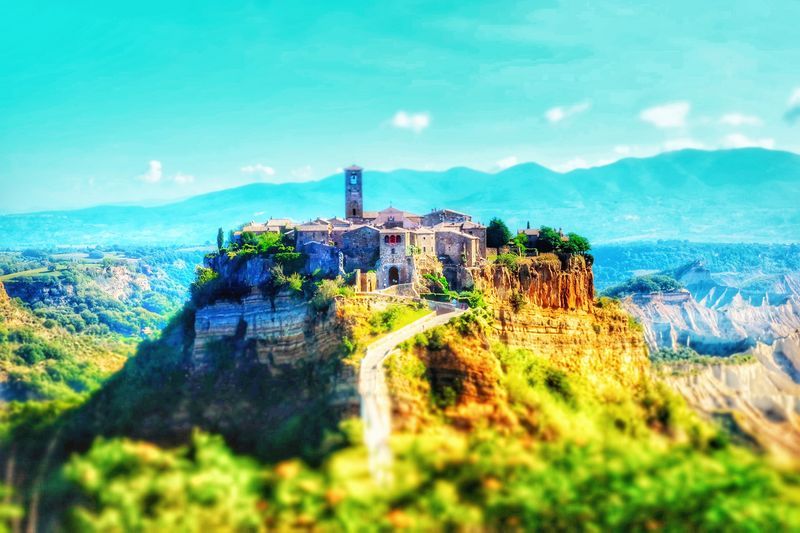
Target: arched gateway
(394, 276)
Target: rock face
(284, 335)
(545, 283)
(548, 308)
(762, 395)
(281, 333)
(3, 294)
(715, 318)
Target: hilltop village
(397, 246)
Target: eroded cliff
(548, 307)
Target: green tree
(549, 240)
(521, 242)
(577, 244)
(497, 234)
(220, 239)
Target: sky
(155, 101)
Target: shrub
(644, 285)
(510, 261)
(517, 301)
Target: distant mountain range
(747, 194)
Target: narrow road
(376, 409)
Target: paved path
(376, 409)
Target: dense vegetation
(39, 363)
(582, 457)
(685, 358)
(128, 293)
(644, 285)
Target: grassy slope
(552, 451)
(49, 363)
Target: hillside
(668, 196)
(46, 362)
(127, 293)
(568, 431)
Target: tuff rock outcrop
(548, 307)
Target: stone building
(398, 246)
(354, 194)
(457, 248)
(438, 216)
(306, 233)
(396, 218)
(361, 248)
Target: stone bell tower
(353, 193)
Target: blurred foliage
(586, 458)
(128, 292)
(644, 285)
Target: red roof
(354, 167)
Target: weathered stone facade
(360, 247)
(457, 248)
(399, 246)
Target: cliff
(762, 396)
(280, 332)
(545, 282)
(548, 307)
(543, 308)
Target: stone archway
(394, 276)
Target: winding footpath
(376, 409)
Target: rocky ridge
(548, 308)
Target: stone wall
(365, 281)
(457, 247)
(361, 248)
(323, 258)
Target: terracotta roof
(532, 232)
(312, 227)
(253, 227)
(457, 232)
(471, 224)
(394, 210)
(354, 167)
(369, 214)
(279, 222)
(358, 227)
(393, 230)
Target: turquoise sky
(159, 100)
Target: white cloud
(792, 114)
(154, 172)
(183, 179)
(411, 121)
(559, 113)
(506, 162)
(682, 144)
(622, 149)
(739, 119)
(572, 164)
(258, 168)
(303, 173)
(670, 115)
(739, 140)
